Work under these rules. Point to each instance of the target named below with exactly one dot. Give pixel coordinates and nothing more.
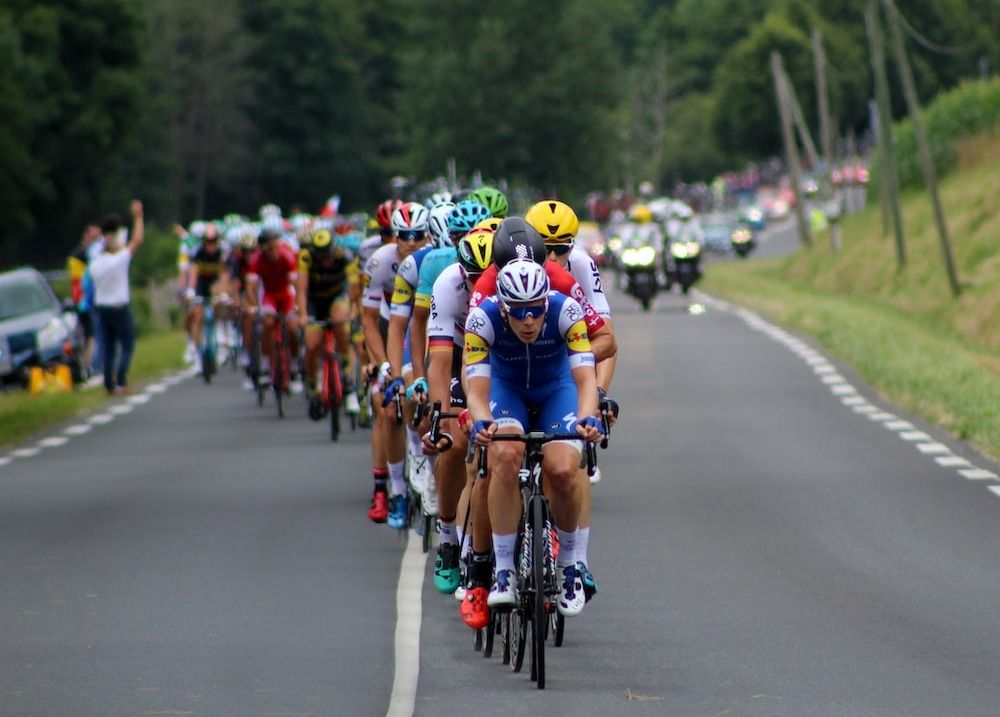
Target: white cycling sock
(447, 533)
(582, 539)
(567, 547)
(265, 364)
(503, 548)
(466, 545)
(397, 478)
(414, 438)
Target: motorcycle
(686, 260)
(639, 264)
(743, 241)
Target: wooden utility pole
(800, 122)
(926, 161)
(791, 150)
(888, 168)
(835, 202)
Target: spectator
(109, 271)
(77, 264)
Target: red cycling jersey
(276, 276)
(559, 280)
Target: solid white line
(995, 490)
(951, 461)
(121, 409)
(403, 699)
(899, 426)
(26, 452)
(100, 419)
(53, 442)
(931, 449)
(977, 474)
(914, 436)
(78, 430)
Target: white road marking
(932, 449)
(4, 460)
(995, 490)
(139, 399)
(26, 452)
(833, 378)
(78, 430)
(865, 408)
(843, 389)
(914, 436)
(156, 388)
(899, 426)
(53, 442)
(881, 416)
(402, 701)
(853, 400)
(824, 368)
(978, 474)
(817, 360)
(121, 409)
(951, 461)
(100, 419)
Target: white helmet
(438, 198)
(437, 224)
(522, 281)
(412, 216)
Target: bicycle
(330, 396)
(209, 346)
(280, 366)
(536, 580)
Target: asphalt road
(761, 549)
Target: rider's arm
(603, 343)
(253, 282)
(477, 367)
(418, 341)
(394, 343)
(302, 287)
(606, 365)
(373, 338)
(581, 357)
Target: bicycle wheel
(428, 520)
(558, 628)
(491, 631)
(539, 617)
(336, 394)
(278, 380)
(505, 638)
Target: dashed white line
(156, 388)
(833, 378)
(899, 426)
(933, 449)
(951, 461)
(4, 460)
(78, 430)
(100, 419)
(53, 442)
(843, 389)
(26, 452)
(139, 399)
(853, 400)
(822, 368)
(865, 408)
(995, 490)
(978, 474)
(121, 409)
(914, 436)
(881, 416)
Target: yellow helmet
(475, 250)
(321, 239)
(491, 224)
(554, 220)
(640, 214)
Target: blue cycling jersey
(493, 349)
(434, 263)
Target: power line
(923, 41)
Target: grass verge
(901, 330)
(22, 415)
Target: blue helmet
(466, 215)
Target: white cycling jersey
(449, 309)
(587, 275)
(379, 278)
(368, 247)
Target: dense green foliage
(200, 108)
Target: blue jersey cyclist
(529, 366)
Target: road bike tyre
(518, 639)
(278, 380)
(478, 644)
(505, 637)
(428, 520)
(539, 615)
(335, 391)
(490, 634)
(558, 628)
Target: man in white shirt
(109, 272)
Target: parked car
(35, 328)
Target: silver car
(35, 329)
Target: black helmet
(516, 239)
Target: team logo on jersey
(573, 312)
(476, 323)
(476, 349)
(576, 338)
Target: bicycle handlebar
(540, 438)
(435, 433)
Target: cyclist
(558, 224)
(448, 311)
(327, 283)
(190, 240)
(409, 227)
(527, 353)
(493, 199)
(239, 266)
(274, 267)
(208, 269)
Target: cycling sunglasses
(409, 235)
(526, 312)
(559, 249)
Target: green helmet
(493, 199)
